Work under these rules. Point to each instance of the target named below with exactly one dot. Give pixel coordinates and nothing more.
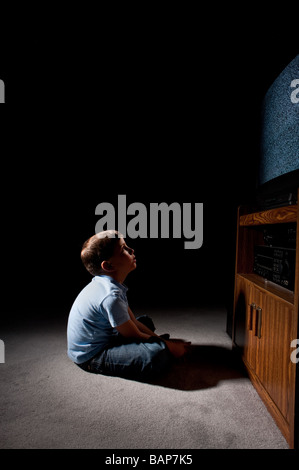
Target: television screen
(280, 126)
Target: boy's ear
(106, 266)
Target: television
(278, 172)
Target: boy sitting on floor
(103, 335)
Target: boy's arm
(134, 329)
(130, 330)
(140, 325)
(177, 348)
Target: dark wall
(180, 130)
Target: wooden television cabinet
(265, 320)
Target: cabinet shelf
(270, 287)
(280, 215)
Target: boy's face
(123, 260)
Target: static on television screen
(280, 125)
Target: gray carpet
(205, 402)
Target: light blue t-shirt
(99, 308)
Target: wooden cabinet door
(244, 321)
(240, 312)
(264, 329)
(252, 326)
(273, 364)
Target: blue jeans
(137, 360)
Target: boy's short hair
(99, 248)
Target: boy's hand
(178, 348)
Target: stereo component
(276, 264)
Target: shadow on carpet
(204, 367)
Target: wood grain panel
(279, 215)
